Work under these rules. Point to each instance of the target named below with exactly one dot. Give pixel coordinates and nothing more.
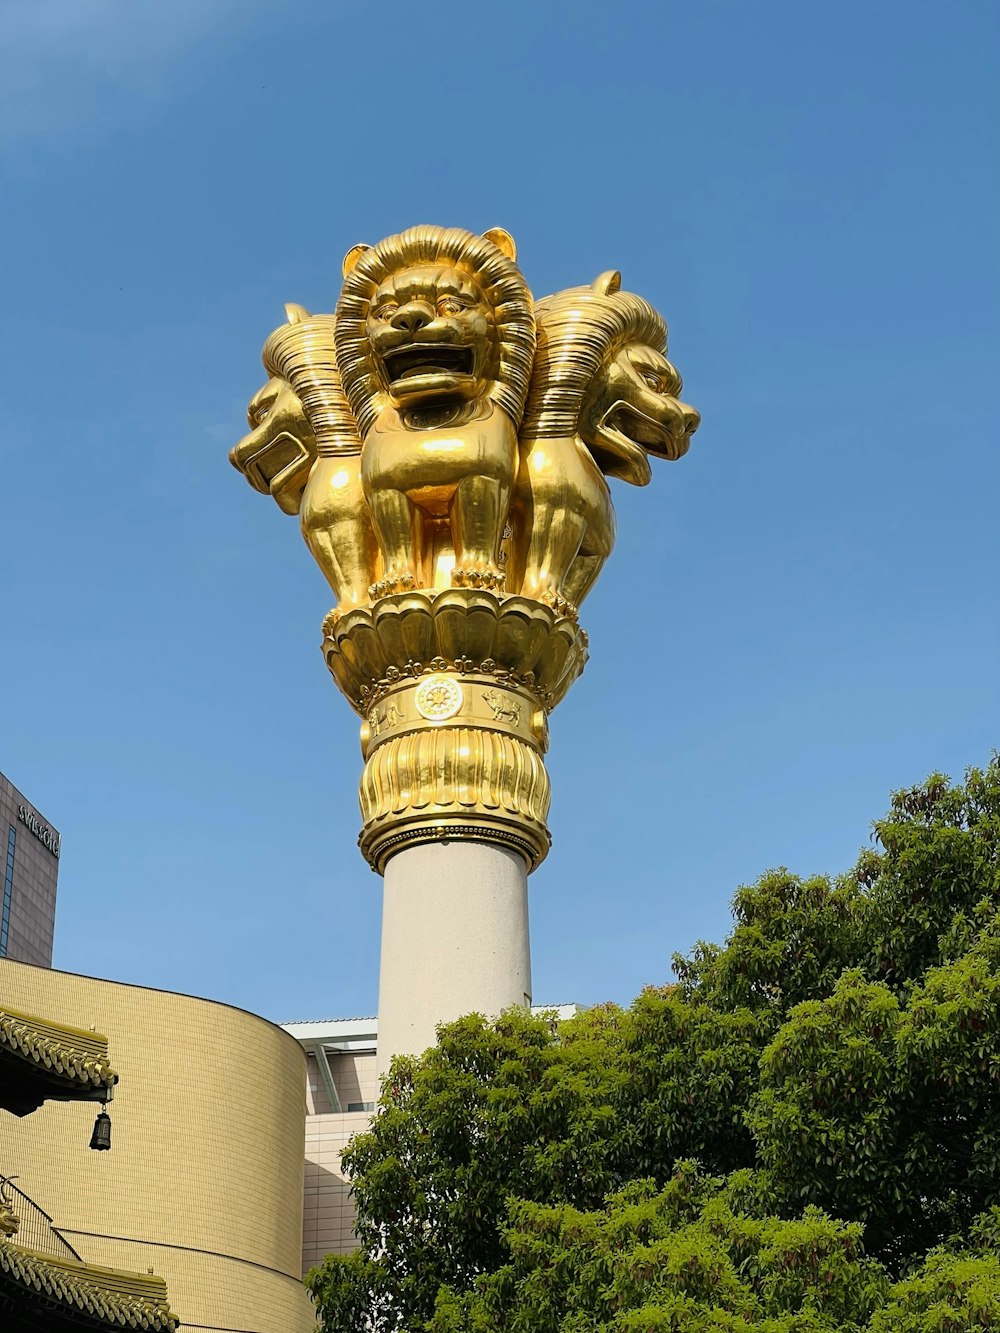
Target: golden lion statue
(435, 338)
(441, 431)
(448, 448)
(304, 450)
(602, 397)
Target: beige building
(29, 864)
(203, 1184)
(341, 1092)
(44, 1282)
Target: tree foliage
(801, 1135)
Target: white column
(454, 940)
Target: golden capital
(446, 441)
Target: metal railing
(36, 1230)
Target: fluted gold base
(455, 757)
(454, 687)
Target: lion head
(601, 372)
(435, 313)
(277, 455)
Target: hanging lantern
(100, 1140)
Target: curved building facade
(203, 1183)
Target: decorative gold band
(447, 701)
(378, 850)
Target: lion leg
(595, 547)
(360, 565)
(347, 553)
(338, 531)
(394, 521)
(478, 512)
(556, 536)
(582, 576)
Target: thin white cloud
(59, 58)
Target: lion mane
(577, 330)
(302, 352)
(500, 281)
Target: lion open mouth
(406, 362)
(635, 426)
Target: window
(8, 890)
(361, 1106)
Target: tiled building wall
(203, 1183)
(328, 1221)
(30, 887)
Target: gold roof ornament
(446, 442)
(42, 1060)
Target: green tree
(703, 1256)
(495, 1109)
(691, 1256)
(832, 1070)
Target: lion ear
(607, 283)
(503, 241)
(297, 314)
(351, 258)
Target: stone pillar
(454, 688)
(454, 940)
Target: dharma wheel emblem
(438, 698)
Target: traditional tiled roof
(84, 1294)
(67, 1055)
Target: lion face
(630, 410)
(277, 455)
(433, 335)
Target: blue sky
(799, 617)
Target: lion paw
(559, 604)
(394, 584)
(492, 579)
